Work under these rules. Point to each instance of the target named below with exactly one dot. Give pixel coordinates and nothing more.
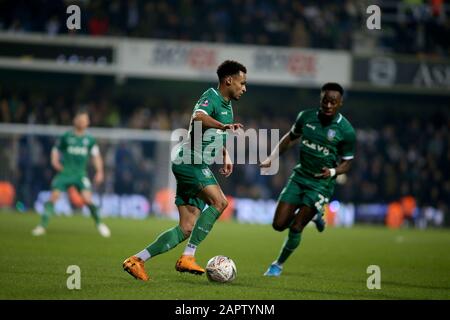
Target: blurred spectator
(417, 26)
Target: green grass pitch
(415, 264)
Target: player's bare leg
(283, 218)
(101, 227)
(188, 217)
(301, 219)
(217, 202)
(169, 239)
(284, 215)
(41, 229)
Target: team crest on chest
(331, 134)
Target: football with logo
(221, 269)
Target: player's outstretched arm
(285, 143)
(209, 122)
(343, 167)
(55, 161)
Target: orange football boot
(135, 266)
(188, 264)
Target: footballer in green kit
(76, 148)
(327, 147)
(196, 185)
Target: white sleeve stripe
(95, 151)
(348, 157)
(201, 110)
(294, 132)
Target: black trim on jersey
(293, 136)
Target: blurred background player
(325, 136)
(196, 184)
(76, 147)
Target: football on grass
(221, 269)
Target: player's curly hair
(333, 86)
(230, 68)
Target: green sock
(203, 225)
(48, 211)
(291, 243)
(166, 241)
(94, 213)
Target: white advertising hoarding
(265, 65)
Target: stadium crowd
(398, 158)
(410, 26)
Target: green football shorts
(63, 181)
(191, 179)
(298, 193)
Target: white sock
(190, 250)
(144, 255)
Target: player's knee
(220, 204)
(224, 204)
(278, 226)
(296, 228)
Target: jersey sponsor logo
(311, 126)
(79, 151)
(316, 147)
(224, 112)
(331, 134)
(204, 103)
(85, 141)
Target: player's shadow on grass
(416, 286)
(383, 282)
(393, 283)
(296, 274)
(359, 295)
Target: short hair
(81, 110)
(333, 86)
(230, 68)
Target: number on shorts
(319, 204)
(86, 182)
